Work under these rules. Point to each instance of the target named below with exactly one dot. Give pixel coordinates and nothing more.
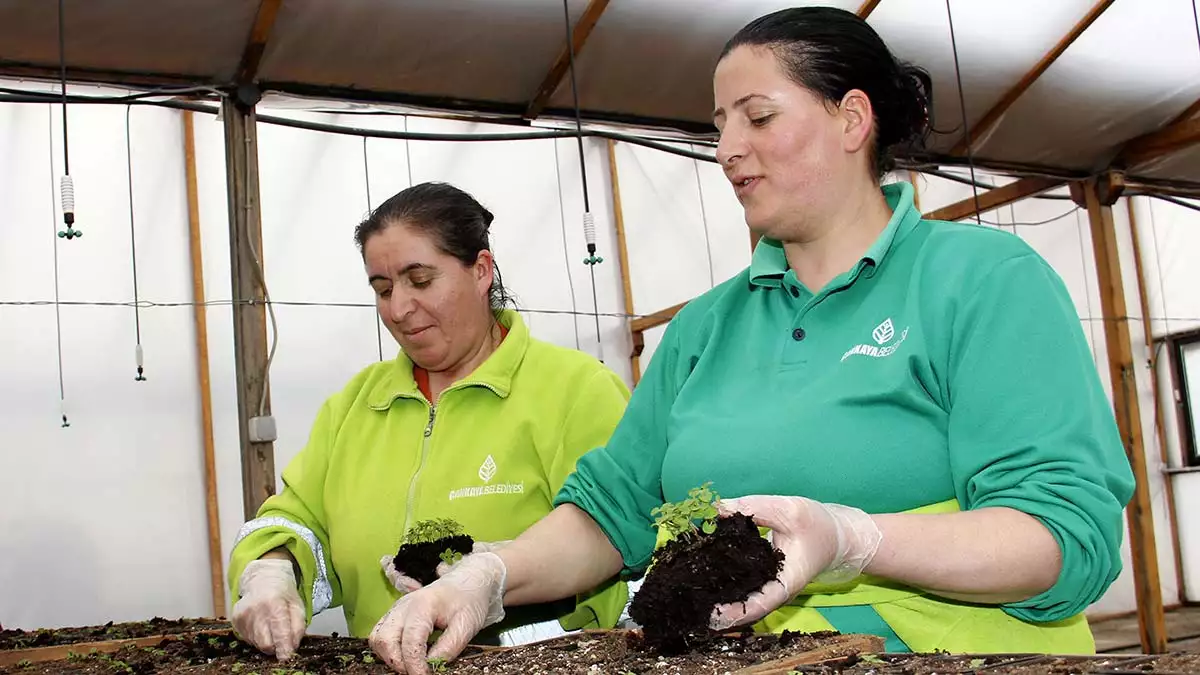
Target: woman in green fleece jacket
(909, 405)
(474, 420)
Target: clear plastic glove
(270, 613)
(469, 598)
(407, 584)
(827, 543)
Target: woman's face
(430, 302)
(785, 150)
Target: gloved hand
(827, 543)
(407, 584)
(270, 613)
(469, 598)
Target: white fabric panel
(103, 520)
(1133, 70)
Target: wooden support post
(1148, 589)
(1159, 425)
(995, 198)
(249, 309)
(200, 318)
(635, 355)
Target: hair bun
(487, 217)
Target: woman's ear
(484, 270)
(858, 120)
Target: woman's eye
(387, 292)
(760, 120)
(421, 283)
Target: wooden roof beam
(1182, 132)
(256, 44)
(583, 29)
(993, 199)
(1010, 97)
(867, 7)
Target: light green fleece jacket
(491, 454)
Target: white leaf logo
(487, 470)
(884, 332)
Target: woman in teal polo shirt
(909, 405)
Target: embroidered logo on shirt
(884, 334)
(487, 470)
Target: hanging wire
(589, 222)
(62, 396)
(407, 153)
(367, 182)
(962, 103)
(137, 320)
(712, 277)
(1087, 292)
(562, 221)
(67, 184)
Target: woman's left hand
(829, 541)
(407, 584)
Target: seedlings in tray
(428, 543)
(708, 560)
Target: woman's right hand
(469, 598)
(270, 613)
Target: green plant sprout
(437, 663)
(432, 530)
(450, 556)
(680, 518)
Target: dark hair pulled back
(457, 222)
(830, 51)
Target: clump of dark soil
(420, 561)
(47, 637)
(695, 572)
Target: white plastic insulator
(138, 356)
(589, 228)
(68, 195)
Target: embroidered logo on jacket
(886, 342)
(487, 471)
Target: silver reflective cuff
(322, 593)
(533, 632)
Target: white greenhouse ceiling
(1118, 83)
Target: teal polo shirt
(948, 363)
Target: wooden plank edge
(57, 652)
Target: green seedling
(437, 663)
(238, 667)
(450, 556)
(871, 658)
(697, 513)
(976, 663)
(432, 530)
(24, 663)
(367, 658)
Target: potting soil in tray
(1002, 664)
(592, 653)
(48, 637)
(623, 652)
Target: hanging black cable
(62, 396)
(562, 221)
(68, 185)
(137, 321)
(962, 103)
(589, 223)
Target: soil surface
(625, 653)
(690, 575)
(47, 637)
(420, 561)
